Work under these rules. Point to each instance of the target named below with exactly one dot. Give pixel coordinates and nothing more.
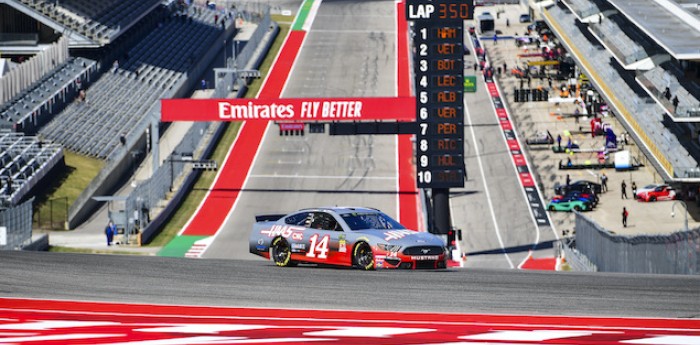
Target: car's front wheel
(281, 253)
(652, 199)
(363, 257)
(577, 208)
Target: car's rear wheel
(577, 208)
(281, 253)
(363, 257)
(652, 199)
(551, 207)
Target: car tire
(281, 252)
(551, 207)
(652, 199)
(577, 208)
(362, 256)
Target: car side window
(297, 218)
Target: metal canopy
(666, 22)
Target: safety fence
(676, 253)
(16, 226)
(28, 72)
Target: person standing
(110, 230)
(495, 39)
(625, 214)
(559, 141)
(568, 180)
(604, 183)
(624, 189)
(634, 190)
(675, 103)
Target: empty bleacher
(36, 105)
(628, 45)
(583, 8)
(101, 21)
(666, 75)
(24, 162)
(638, 112)
(122, 97)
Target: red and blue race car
(360, 237)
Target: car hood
(403, 237)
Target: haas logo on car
(397, 234)
(285, 231)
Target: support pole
(441, 211)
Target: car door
(325, 240)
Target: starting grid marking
(60, 322)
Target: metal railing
(676, 253)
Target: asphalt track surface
(342, 55)
(160, 280)
(346, 54)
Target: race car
(581, 186)
(569, 205)
(576, 195)
(364, 238)
(654, 192)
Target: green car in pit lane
(569, 206)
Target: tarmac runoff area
(531, 117)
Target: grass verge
(59, 249)
(51, 206)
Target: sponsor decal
(261, 248)
(283, 230)
(299, 247)
(342, 246)
(425, 257)
(289, 109)
(297, 236)
(397, 234)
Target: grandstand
(100, 98)
(25, 161)
(36, 104)
(121, 98)
(100, 22)
(641, 61)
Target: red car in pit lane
(359, 237)
(656, 192)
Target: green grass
(196, 195)
(50, 207)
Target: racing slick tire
(577, 208)
(281, 253)
(362, 256)
(551, 207)
(652, 199)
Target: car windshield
(375, 220)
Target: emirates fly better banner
(289, 109)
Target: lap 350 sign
(438, 33)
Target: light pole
(673, 214)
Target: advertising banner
(290, 109)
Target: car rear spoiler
(268, 217)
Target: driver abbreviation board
(438, 52)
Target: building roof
(669, 23)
